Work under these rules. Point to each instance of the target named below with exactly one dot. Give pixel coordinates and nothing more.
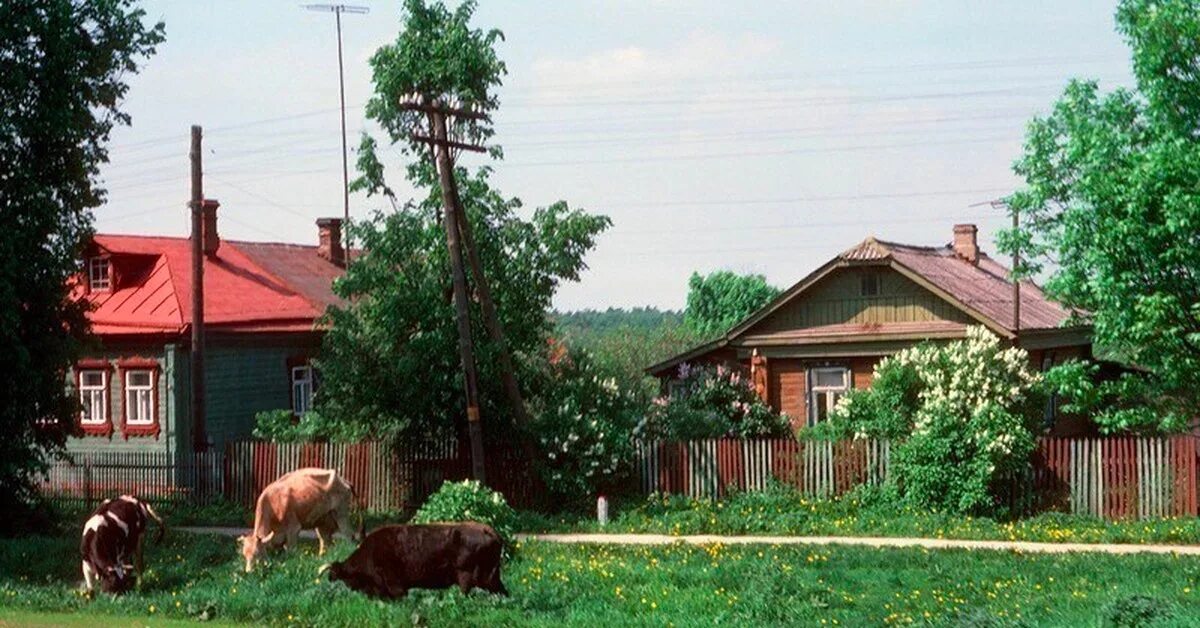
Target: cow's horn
(323, 568)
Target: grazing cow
(396, 558)
(301, 500)
(113, 536)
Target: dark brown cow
(112, 543)
(394, 559)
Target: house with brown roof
(824, 335)
(262, 305)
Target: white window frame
(92, 397)
(302, 389)
(135, 394)
(832, 393)
(99, 277)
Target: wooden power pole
(199, 430)
(1016, 223)
(462, 315)
(461, 243)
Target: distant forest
(601, 322)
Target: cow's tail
(162, 527)
(361, 507)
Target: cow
(112, 536)
(395, 558)
(301, 500)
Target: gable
(839, 298)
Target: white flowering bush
(470, 501)
(712, 402)
(584, 422)
(958, 415)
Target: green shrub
(584, 421)
(283, 426)
(470, 501)
(712, 402)
(1138, 611)
(958, 415)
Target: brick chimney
(965, 244)
(330, 242)
(211, 239)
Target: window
(98, 277)
(139, 398)
(93, 388)
(302, 389)
(870, 284)
(825, 385)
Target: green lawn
(781, 511)
(198, 577)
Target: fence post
(87, 480)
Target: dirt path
(706, 539)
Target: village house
(824, 335)
(262, 302)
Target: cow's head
(117, 578)
(340, 571)
(252, 546)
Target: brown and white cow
(393, 559)
(113, 537)
(304, 499)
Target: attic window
(870, 284)
(98, 275)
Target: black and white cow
(112, 538)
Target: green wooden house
(262, 304)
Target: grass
(197, 578)
(781, 511)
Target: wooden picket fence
(1123, 477)
(384, 478)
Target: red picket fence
(384, 477)
(1124, 477)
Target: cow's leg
(323, 533)
(466, 580)
(492, 582)
(137, 558)
(390, 588)
(89, 577)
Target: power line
(805, 199)
(797, 151)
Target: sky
(759, 137)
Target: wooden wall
(837, 299)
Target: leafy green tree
(1111, 208)
(65, 65)
(624, 342)
(723, 298)
(390, 360)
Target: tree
(390, 360)
(65, 63)
(1111, 208)
(722, 299)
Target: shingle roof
(248, 286)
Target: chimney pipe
(965, 243)
(211, 239)
(329, 245)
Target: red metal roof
(984, 287)
(248, 286)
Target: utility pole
(459, 238)
(338, 10)
(466, 347)
(1016, 223)
(199, 432)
